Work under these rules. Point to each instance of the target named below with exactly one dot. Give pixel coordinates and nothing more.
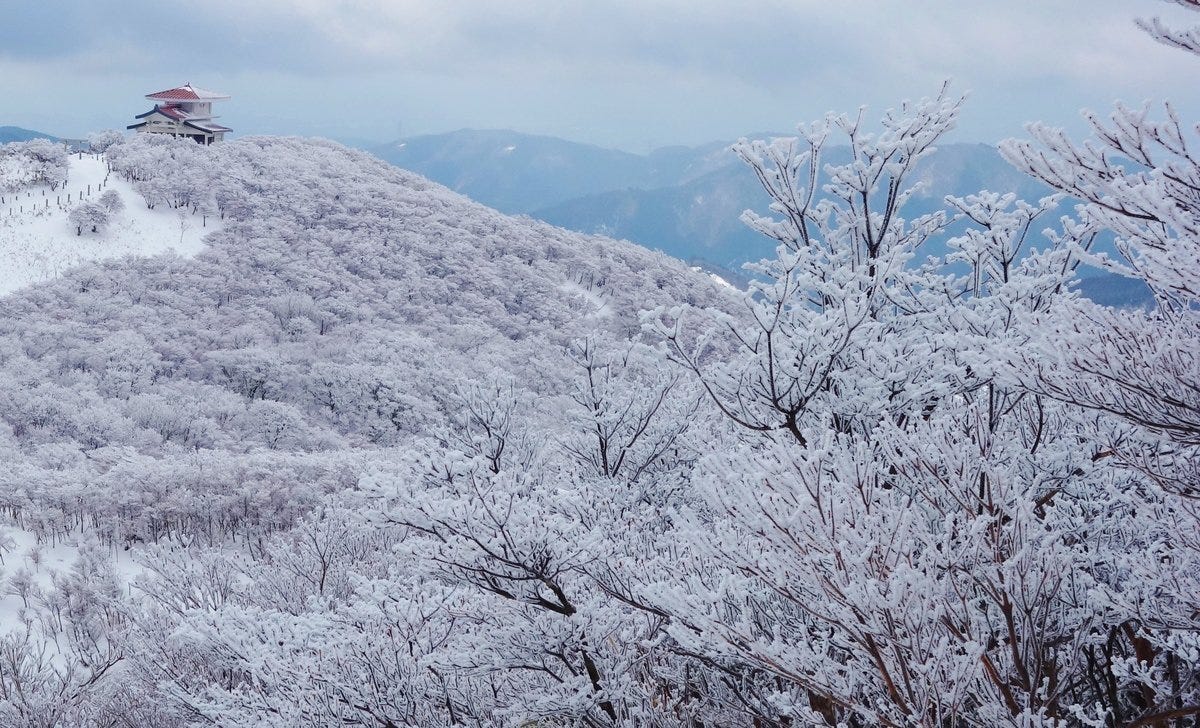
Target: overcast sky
(631, 74)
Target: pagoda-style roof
(181, 117)
(167, 110)
(184, 111)
(187, 92)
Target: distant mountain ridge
(520, 173)
(700, 218)
(9, 134)
(685, 201)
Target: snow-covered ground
(38, 242)
(598, 306)
(29, 568)
(715, 278)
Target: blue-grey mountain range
(685, 201)
(9, 134)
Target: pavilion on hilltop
(185, 111)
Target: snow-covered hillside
(39, 242)
(345, 318)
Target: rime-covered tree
(1137, 178)
(100, 141)
(88, 215)
(911, 534)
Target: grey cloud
(107, 35)
(621, 71)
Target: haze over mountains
(523, 173)
(684, 201)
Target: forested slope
(345, 313)
(341, 300)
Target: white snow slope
(38, 242)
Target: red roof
(186, 92)
(175, 94)
(174, 112)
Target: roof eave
(148, 113)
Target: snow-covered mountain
(335, 310)
(329, 269)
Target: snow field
(38, 241)
(35, 579)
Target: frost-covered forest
(381, 456)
